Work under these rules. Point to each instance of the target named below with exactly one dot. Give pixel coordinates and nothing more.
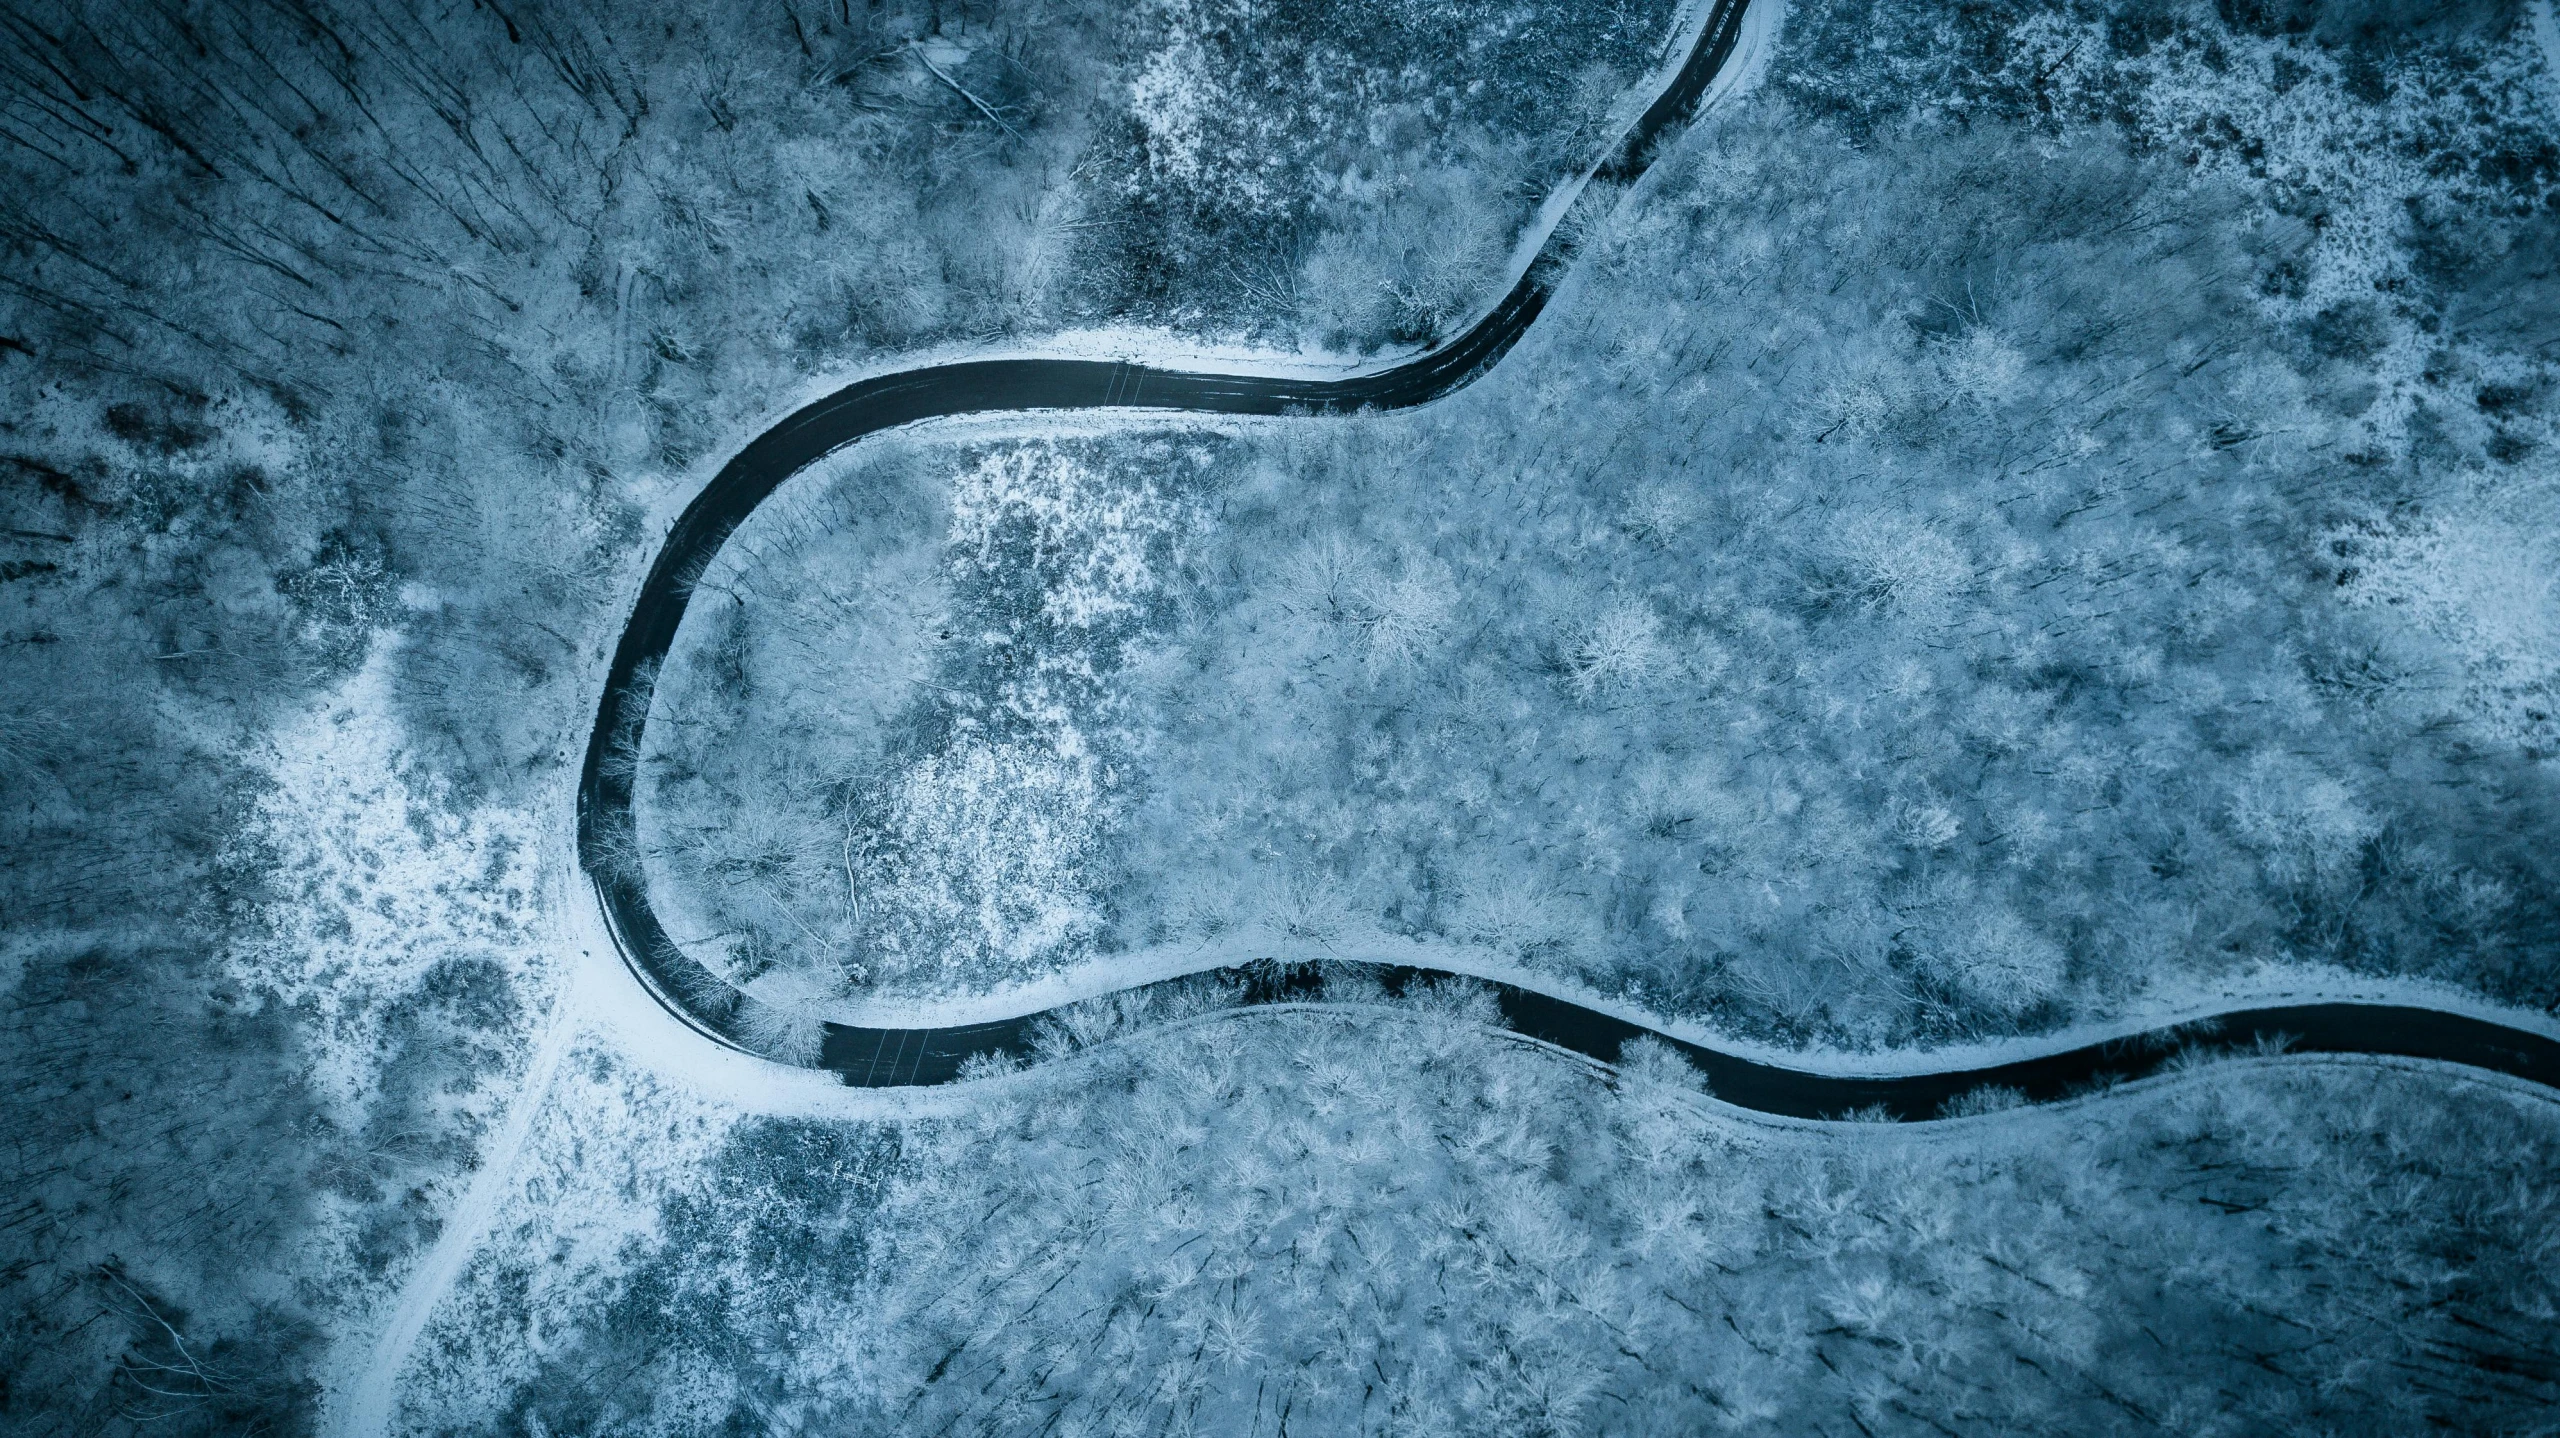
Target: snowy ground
(397, 874)
(2546, 33)
(593, 1151)
(618, 1098)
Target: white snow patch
(2488, 588)
(1098, 530)
(2360, 160)
(990, 845)
(1171, 98)
(982, 866)
(385, 873)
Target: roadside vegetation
(1341, 172)
(344, 346)
(1405, 1225)
(1939, 573)
(347, 348)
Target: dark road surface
(899, 1057)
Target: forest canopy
(2042, 503)
(346, 346)
(1933, 579)
(1407, 1225)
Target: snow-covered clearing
(386, 873)
(388, 881)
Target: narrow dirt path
(368, 1397)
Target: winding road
(881, 1057)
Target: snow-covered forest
(1401, 1225)
(2141, 581)
(347, 348)
(2038, 506)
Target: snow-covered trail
(366, 1397)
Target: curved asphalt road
(882, 1058)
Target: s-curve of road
(882, 1057)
